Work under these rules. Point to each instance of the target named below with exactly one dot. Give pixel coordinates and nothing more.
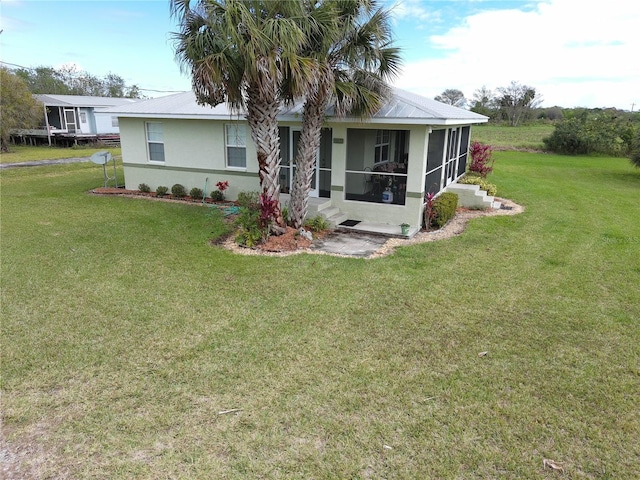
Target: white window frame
(239, 143)
(159, 142)
(383, 139)
(114, 122)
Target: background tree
(635, 149)
(516, 102)
(18, 108)
(484, 102)
(237, 51)
(451, 96)
(354, 58)
(69, 80)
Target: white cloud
(574, 53)
(413, 9)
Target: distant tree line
(596, 131)
(513, 104)
(72, 81)
(578, 131)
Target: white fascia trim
(394, 121)
(297, 119)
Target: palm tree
(354, 59)
(236, 52)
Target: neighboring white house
(76, 117)
(375, 171)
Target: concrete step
(471, 196)
(336, 219)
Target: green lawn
(21, 153)
(124, 334)
(521, 137)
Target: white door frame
(75, 120)
(315, 191)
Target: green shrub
(316, 224)
(144, 188)
(635, 150)
(161, 191)
(445, 207)
(473, 179)
(217, 196)
(249, 200)
(250, 233)
(604, 133)
(196, 193)
(178, 191)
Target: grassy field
(522, 137)
(20, 153)
(125, 335)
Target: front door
(453, 148)
(295, 139)
(70, 119)
(289, 139)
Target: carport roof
(51, 100)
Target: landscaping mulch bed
(152, 195)
(292, 242)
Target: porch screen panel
(324, 163)
(435, 158)
(377, 162)
(464, 150)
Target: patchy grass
(20, 153)
(125, 335)
(526, 137)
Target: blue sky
(574, 52)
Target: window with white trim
(155, 141)
(382, 146)
(114, 121)
(236, 145)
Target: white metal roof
(82, 100)
(403, 108)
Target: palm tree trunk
(262, 111)
(312, 118)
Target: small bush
(161, 191)
(196, 193)
(445, 207)
(217, 196)
(249, 200)
(144, 188)
(248, 221)
(471, 179)
(316, 224)
(178, 191)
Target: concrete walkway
(39, 163)
(351, 244)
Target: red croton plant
(481, 159)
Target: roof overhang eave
(297, 119)
(174, 116)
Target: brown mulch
(123, 192)
(290, 241)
